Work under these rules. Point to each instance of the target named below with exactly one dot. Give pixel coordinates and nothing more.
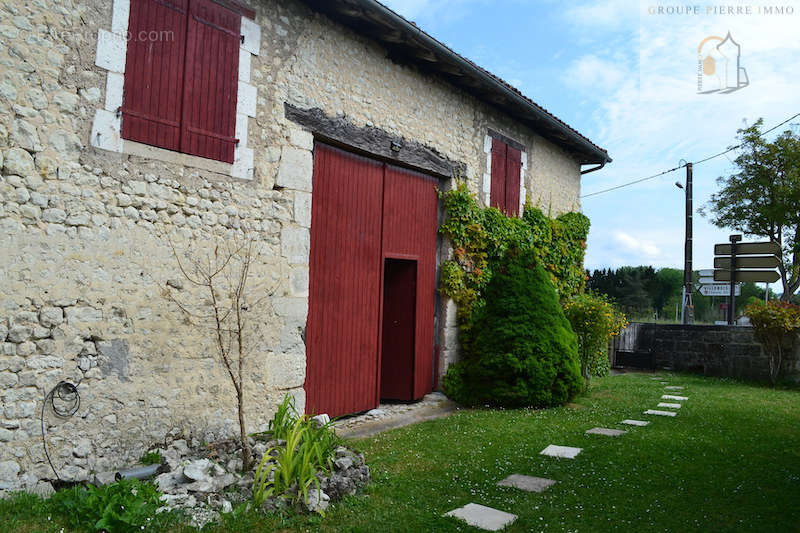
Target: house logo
(719, 69)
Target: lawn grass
(730, 461)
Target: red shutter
(211, 81)
(513, 184)
(151, 109)
(497, 195)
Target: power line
(709, 158)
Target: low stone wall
(725, 351)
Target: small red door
(399, 329)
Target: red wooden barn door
(344, 285)
(410, 224)
(363, 213)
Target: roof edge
(588, 148)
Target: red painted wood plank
(497, 195)
(513, 184)
(344, 284)
(158, 39)
(211, 80)
(410, 222)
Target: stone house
(321, 127)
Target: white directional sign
(708, 273)
(719, 289)
(707, 281)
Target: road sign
(749, 248)
(707, 281)
(756, 276)
(719, 289)
(748, 261)
(707, 273)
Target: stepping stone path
(490, 519)
(562, 452)
(635, 422)
(605, 431)
(483, 517)
(660, 413)
(528, 483)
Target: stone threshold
(369, 428)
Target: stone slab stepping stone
(605, 431)
(529, 483)
(673, 397)
(635, 422)
(670, 405)
(673, 387)
(483, 517)
(660, 413)
(562, 452)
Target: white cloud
(638, 245)
(649, 122)
(593, 72)
(603, 14)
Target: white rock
(8, 474)
(51, 316)
(18, 162)
(321, 420)
(198, 470)
(54, 215)
(562, 452)
(527, 483)
(483, 517)
(24, 135)
(656, 412)
(82, 448)
(606, 431)
(295, 169)
(317, 501)
(640, 423)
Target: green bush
(128, 505)
(775, 324)
(594, 320)
(522, 350)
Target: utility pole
(688, 307)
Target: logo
(719, 69)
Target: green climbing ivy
(482, 236)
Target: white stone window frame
(112, 50)
(487, 176)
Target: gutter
(469, 66)
(588, 170)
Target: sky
(625, 74)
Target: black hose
(68, 394)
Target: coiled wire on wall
(69, 401)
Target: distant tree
(665, 287)
(762, 197)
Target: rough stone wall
(725, 351)
(85, 233)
